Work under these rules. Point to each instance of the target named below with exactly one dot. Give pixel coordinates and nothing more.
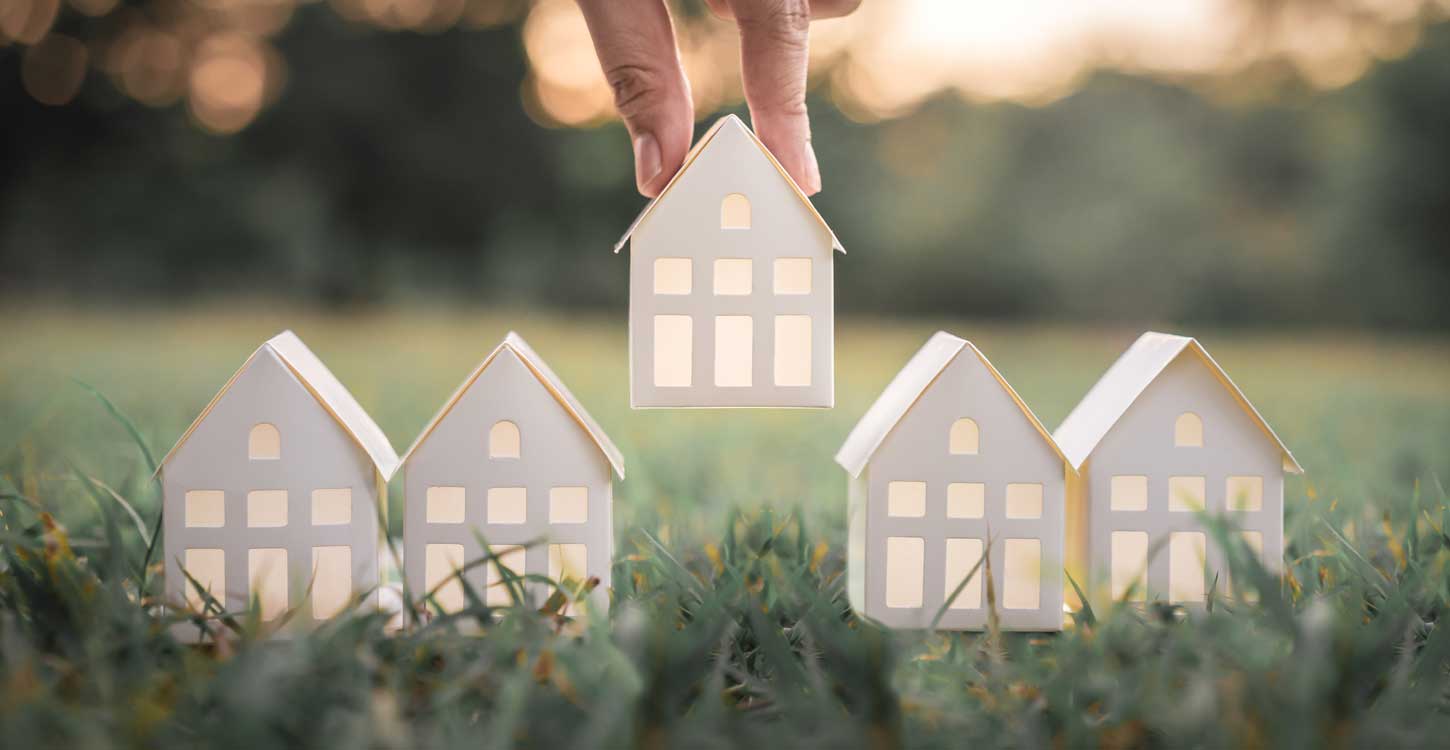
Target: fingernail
(813, 170)
(646, 159)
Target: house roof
(551, 382)
(325, 387)
(908, 386)
(699, 147)
(1126, 380)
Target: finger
(774, 51)
(636, 47)
(819, 8)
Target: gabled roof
(551, 382)
(908, 386)
(325, 387)
(1126, 380)
(696, 150)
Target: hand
(636, 47)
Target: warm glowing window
(1024, 500)
(440, 575)
(1186, 563)
(1130, 565)
(503, 440)
(792, 276)
(331, 580)
(266, 508)
(205, 509)
(672, 275)
(793, 350)
(961, 556)
(264, 442)
(267, 572)
(906, 499)
(332, 507)
(966, 499)
(1244, 493)
(735, 212)
(1188, 431)
(964, 437)
(209, 568)
(1129, 492)
(507, 504)
(444, 504)
(734, 350)
(1022, 579)
(511, 557)
(733, 276)
(1185, 494)
(673, 350)
(568, 504)
(905, 558)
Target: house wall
(686, 224)
(555, 451)
(316, 453)
(1010, 450)
(1142, 444)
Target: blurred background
(1234, 162)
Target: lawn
(729, 623)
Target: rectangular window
(962, 556)
(732, 276)
(673, 350)
(266, 508)
(568, 504)
(905, 566)
(511, 557)
(906, 499)
(267, 572)
(209, 568)
(1186, 564)
(332, 507)
(1130, 565)
(1254, 540)
(792, 275)
(1129, 493)
(672, 275)
(966, 499)
(1024, 500)
(441, 563)
(445, 505)
(205, 509)
(1022, 577)
(508, 504)
(1244, 493)
(734, 351)
(793, 350)
(331, 580)
(1185, 494)
(568, 562)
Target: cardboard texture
(731, 284)
(281, 471)
(549, 490)
(1163, 433)
(926, 500)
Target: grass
(728, 624)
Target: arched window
(503, 440)
(735, 212)
(1188, 431)
(264, 442)
(964, 437)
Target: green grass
(729, 624)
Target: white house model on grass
(730, 285)
(275, 492)
(1161, 437)
(511, 460)
(947, 465)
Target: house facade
(513, 461)
(277, 486)
(947, 465)
(1162, 440)
(731, 284)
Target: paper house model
(512, 459)
(1162, 436)
(277, 487)
(948, 464)
(730, 284)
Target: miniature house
(275, 492)
(947, 465)
(730, 285)
(1163, 437)
(513, 461)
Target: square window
(732, 276)
(266, 508)
(568, 504)
(205, 509)
(962, 556)
(1129, 493)
(512, 557)
(1244, 493)
(332, 507)
(1186, 565)
(209, 568)
(906, 499)
(966, 499)
(267, 572)
(792, 275)
(673, 343)
(331, 580)
(1185, 494)
(1024, 500)
(672, 275)
(441, 563)
(445, 505)
(1022, 577)
(1130, 565)
(793, 350)
(734, 351)
(508, 504)
(905, 566)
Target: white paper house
(279, 485)
(948, 458)
(1163, 435)
(512, 459)
(730, 284)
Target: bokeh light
(52, 71)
